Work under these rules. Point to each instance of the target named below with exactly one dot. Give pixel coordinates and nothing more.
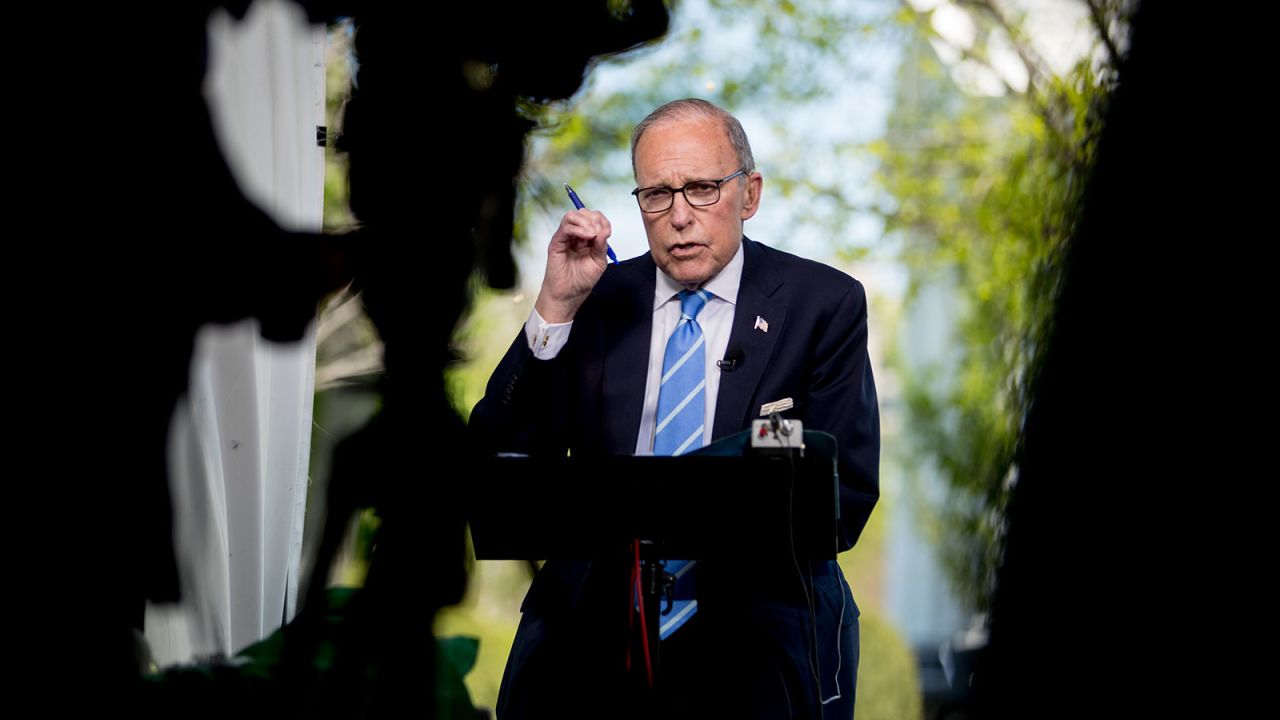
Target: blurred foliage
(984, 193)
(863, 565)
(492, 323)
(888, 676)
(491, 612)
(767, 59)
(339, 70)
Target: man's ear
(755, 181)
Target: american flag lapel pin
(761, 324)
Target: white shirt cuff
(546, 339)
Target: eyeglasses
(698, 193)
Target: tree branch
(1100, 24)
(1037, 68)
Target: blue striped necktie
(681, 420)
(682, 403)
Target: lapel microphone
(730, 362)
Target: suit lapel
(627, 329)
(758, 297)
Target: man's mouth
(685, 250)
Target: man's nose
(681, 211)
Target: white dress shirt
(716, 319)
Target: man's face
(692, 244)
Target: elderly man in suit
(662, 354)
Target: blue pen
(578, 204)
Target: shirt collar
(724, 285)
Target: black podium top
(698, 506)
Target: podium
(720, 502)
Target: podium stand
(720, 502)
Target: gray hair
(693, 108)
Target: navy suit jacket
(588, 399)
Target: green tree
(985, 171)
